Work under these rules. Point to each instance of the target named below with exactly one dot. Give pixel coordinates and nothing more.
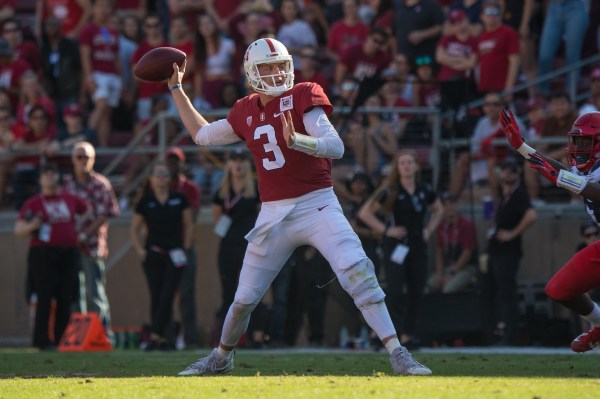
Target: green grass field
(132, 374)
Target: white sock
(378, 318)
(392, 344)
(222, 352)
(594, 316)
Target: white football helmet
(266, 51)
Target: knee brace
(361, 283)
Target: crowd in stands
(66, 77)
(427, 53)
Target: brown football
(157, 64)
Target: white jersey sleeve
(329, 143)
(216, 133)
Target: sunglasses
(491, 11)
(591, 234)
(423, 61)
(82, 157)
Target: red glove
(511, 129)
(544, 167)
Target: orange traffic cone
(84, 333)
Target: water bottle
(488, 207)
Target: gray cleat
(212, 364)
(404, 364)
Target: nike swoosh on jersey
(276, 115)
(321, 208)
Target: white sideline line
(465, 350)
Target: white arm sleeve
(216, 133)
(329, 143)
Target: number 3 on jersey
(270, 146)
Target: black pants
(412, 274)
(306, 297)
(499, 292)
(53, 275)
(187, 299)
(231, 257)
(163, 280)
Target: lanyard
(231, 203)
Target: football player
(569, 286)
(287, 130)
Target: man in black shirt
(514, 214)
(417, 27)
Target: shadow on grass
(132, 364)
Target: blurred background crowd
(423, 79)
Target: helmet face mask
(584, 142)
(269, 51)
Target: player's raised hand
(510, 128)
(288, 128)
(177, 75)
(540, 164)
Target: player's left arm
(322, 140)
(558, 174)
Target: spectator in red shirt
(73, 14)
(457, 55)
(384, 15)
(32, 94)
(214, 58)
(536, 113)
(366, 60)
(48, 219)
(455, 250)
(181, 37)
(427, 89)
(11, 70)
(7, 8)
(26, 50)
(132, 7)
(310, 69)
(99, 46)
(35, 136)
(347, 32)
(498, 50)
(146, 91)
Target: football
(157, 64)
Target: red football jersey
(282, 172)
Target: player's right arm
(202, 132)
(551, 169)
(513, 134)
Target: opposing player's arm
(322, 140)
(202, 132)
